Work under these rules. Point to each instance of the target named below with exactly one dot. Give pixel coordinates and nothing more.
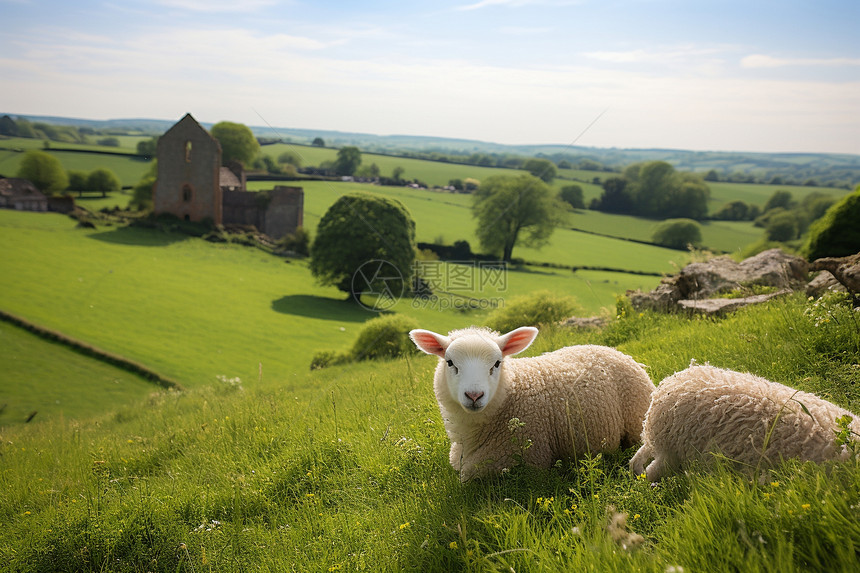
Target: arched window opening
(187, 193)
(187, 152)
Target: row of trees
(49, 176)
(656, 190)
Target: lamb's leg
(640, 459)
(455, 455)
(657, 469)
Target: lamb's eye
(498, 363)
(451, 364)
(494, 366)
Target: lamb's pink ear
(517, 340)
(430, 342)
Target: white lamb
(704, 410)
(563, 403)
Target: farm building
(193, 185)
(22, 195)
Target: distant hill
(814, 169)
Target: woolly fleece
(571, 401)
(704, 410)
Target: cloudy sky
(751, 75)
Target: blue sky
(692, 74)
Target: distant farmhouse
(194, 186)
(22, 195)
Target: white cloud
(292, 81)
(657, 56)
(765, 61)
(216, 5)
(518, 3)
(524, 31)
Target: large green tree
(237, 142)
(348, 160)
(103, 180)
(656, 190)
(365, 244)
(514, 211)
(44, 170)
(543, 169)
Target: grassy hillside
(56, 382)
(346, 469)
(194, 310)
(433, 173)
(129, 170)
(448, 216)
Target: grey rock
(584, 323)
(845, 269)
(822, 283)
(722, 306)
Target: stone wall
(276, 212)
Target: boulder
(846, 270)
(584, 323)
(699, 281)
(722, 306)
(822, 283)
(722, 274)
(664, 298)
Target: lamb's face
(473, 360)
(472, 371)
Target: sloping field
(193, 310)
(53, 380)
(448, 216)
(128, 169)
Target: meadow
(129, 169)
(346, 469)
(448, 216)
(263, 465)
(193, 310)
(54, 382)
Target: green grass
(193, 310)
(434, 173)
(449, 216)
(56, 382)
(129, 170)
(755, 194)
(346, 469)
(729, 236)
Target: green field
(434, 173)
(449, 216)
(129, 170)
(346, 469)
(193, 310)
(262, 465)
(728, 236)
(57, 383)
(755, 194)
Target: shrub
(837, 233)
(572, 194)
(541, 307)
(677, 233)
(782, 227)
(384, 337)
(327, 358)
(298, 242)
